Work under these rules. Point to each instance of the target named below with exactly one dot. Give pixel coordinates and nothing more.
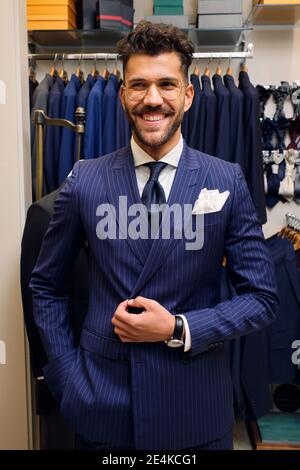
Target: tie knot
(155, 169)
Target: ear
(122, 96)
(188, 97)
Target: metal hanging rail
(103, 56)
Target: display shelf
(264, 15)
(92, 41)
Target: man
(127, 386)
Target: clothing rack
(247, 54)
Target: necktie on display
(153, 195)
(280, 95)
(286, 188)
(273, 186)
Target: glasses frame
(182, 85)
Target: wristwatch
(176, 339)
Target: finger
(120, 329)
(122, 316)
(140, 302)
(127, 339)
(122, 306)
(121, 332)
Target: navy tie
(153, 192)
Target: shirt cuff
(187, 338)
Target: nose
(153, 97)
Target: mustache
(152, 109)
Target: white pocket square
(210, 200)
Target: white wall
(14, 196)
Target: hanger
(291, 231)
(229, 69)
(197, 69)
(207, 70)
(244, 67)
(105, 71)
(62, 73)
(218, 69)
(116, 71)
(95, 71)
(53, 71)
(79, 73)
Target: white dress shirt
(166, 178)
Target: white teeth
(153, 117)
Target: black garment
(32, 86)
(37, 221)
(253, 146)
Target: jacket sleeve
(252, 274)
(50, 280)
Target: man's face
(155, 118)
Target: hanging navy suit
(253, 145)
(237, 139)
(210, 116)
(196, 116)
(53, 136)
(81, 102)
(93, 142)
(109, 131)
(68, 106)
(286, 327)
(222, 120)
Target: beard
(145, 137)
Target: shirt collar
(140, 157)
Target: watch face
(175, 343)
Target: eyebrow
(141, 79)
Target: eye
(168, 85)
(138, 86)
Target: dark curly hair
(154, 39)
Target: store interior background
(276, 59)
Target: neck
(159, 152)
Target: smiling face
(155, 119)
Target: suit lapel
(189, 180)
(121, 181)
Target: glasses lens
(169, 89)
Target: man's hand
(155, 323)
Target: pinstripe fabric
(149, 394)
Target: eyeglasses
(169, 89)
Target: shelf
(71, 41)
(275, 14)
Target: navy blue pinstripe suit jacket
(149, 394)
